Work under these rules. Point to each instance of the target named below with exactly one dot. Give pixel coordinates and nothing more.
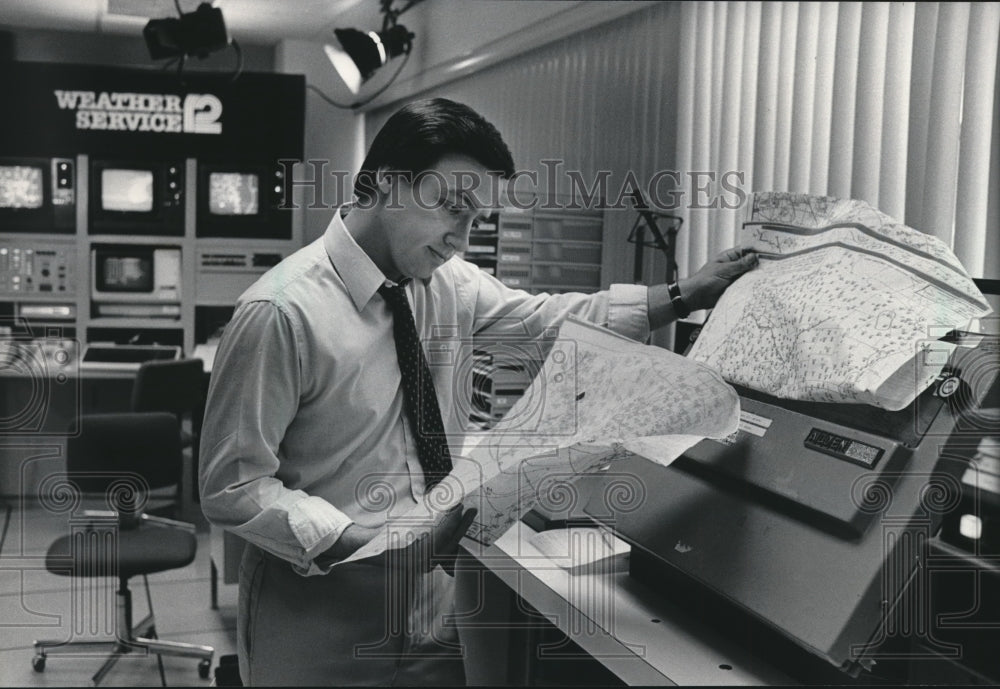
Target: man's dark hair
(419, 134)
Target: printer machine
(806, 533)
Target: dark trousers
(364, 623)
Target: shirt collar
(360, 274)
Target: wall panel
(891, 103)
(603, 99)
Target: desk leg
(214, 583)
(195, 459)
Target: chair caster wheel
(204, 667)
(38, 663)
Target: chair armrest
(169, 523)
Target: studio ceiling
(250, 21)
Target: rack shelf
(535, 250)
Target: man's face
(427, 220)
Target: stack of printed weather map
(847, 305)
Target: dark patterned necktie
(419, 396)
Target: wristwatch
(680, 308)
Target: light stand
(668, 245)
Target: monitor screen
(127, 190)
(21, 186)
(126, 273)
(233, 193)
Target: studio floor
(35, 604)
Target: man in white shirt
(308, 447)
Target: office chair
(119, 457)
(179, 387)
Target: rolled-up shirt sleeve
(501, 310)
(252, 399)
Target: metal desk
(630, 630)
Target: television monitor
(37, 195)
(122, 273)
(128, 191)
(242, 201)
(126, 274)
(233, 193)
(137, 197)
(21, 186)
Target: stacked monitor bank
(132, 250)
(113, 230)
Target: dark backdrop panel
(261, 115)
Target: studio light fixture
(195, 34)
(361, 53)
(191, 34)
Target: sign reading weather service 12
(195, 113)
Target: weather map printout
(598, 397)
(846, 305)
